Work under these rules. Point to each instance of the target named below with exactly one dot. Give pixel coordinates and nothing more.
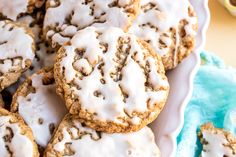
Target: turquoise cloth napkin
(213, 100)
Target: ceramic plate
(170, 122)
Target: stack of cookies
(84, 78)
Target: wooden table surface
(221, 35)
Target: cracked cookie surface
(38, 104)
(17, 49)
(217, 142)
(111, 79)
(73, 138)
(16, 138)
(65, 17)
(169, 27)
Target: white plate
(170, 122)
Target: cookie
(217, 142)
(65, 17)
(45, 55)
(12, 9)
(169, 27)
(74, 138)
(16, 138)
(38, 104)
(17, 52)
(111, 79)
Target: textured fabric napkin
(213, 100)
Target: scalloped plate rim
(160, 126)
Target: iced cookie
(32, 23)
(111, 79)
(12, 9)
(45, 55)
(65, 17)
(16, 138)
(169, 26)
(74, 138)
(17, 52)
(217, 142)
(38, 104)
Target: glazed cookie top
(75, 139)
(16, 138)
(159, 22)
(45, 55)
(15, 44)
(17, 50)
(111, 62)
(65, 17)
(217, 142)
(12, 9)
(39, 105)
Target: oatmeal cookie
(45, 55)
(38, 104)
(16, 138)
(169, 27)
(111, 79)
(73, 138)
(17, 49)
(217, 142)
(65, 17)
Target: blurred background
(221, 35)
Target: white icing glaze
(84, 15)
(162, 14)
(107, 106)
(137, 144)
(30, 22)
(12, 8)
(14, 43)
(216, 145)
(45, 57)
(20, 145)
(44, 104)
(45, 54)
